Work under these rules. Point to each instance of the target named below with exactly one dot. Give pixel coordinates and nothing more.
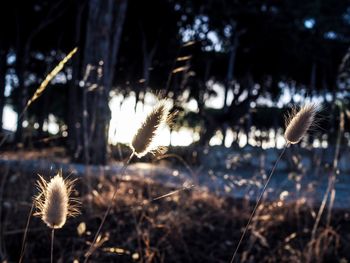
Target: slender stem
(52, 239)
(331, 182)
(90, 250)
(173, 192)
(258, 202)
(322, 207)
(25, 233)
(335, 165)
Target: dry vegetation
(190, 226)
(140, 221)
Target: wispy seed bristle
(143, 141)
(54, 202)
(299, 122)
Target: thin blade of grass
(49, 77)
(173, 192)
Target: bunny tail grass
(257, 204)
(54, 202)
(144, 141)
(299, 122)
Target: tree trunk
(231, 62)
(229, 75)
(104, 28)
(313, 77)
(147, 58)
(2, 85)
(75, 143)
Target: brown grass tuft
(144, 139)
(299, 122)
(54, 202)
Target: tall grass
(297, 125)
(143, 142)
(54, 203)
(330, 191)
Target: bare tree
(103, 35)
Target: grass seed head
(299, 122)
(54, 202)
(144, 141)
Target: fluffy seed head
(144, 139)
(54, 202)
(299, 122)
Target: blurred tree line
(253, 49)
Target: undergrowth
(193, 226)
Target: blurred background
(232, 70)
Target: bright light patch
(228, 138)
(216, 139)
(309, 23)
(243, 140)
(125, 121)
(51, 125)
(9, 119)
(182, 137)
(216, 102)
(191, 105)
(330, 35)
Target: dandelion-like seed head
(54, 202)
(144, 141)
(299, 122)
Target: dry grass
(299, 122)
(297, 125)
(50, 77)
(144, 140)
(54, 202)
(191, 226)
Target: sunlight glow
(125, 121)
(9, 118)
(216, 139)
(182, 137)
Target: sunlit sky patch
(125, 121)
(9, 119)
(126, 118)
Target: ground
(191, 225)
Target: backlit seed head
(144, 141)
(299, 122)
(54, 202)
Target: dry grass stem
(50, 76)
(298, 123)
